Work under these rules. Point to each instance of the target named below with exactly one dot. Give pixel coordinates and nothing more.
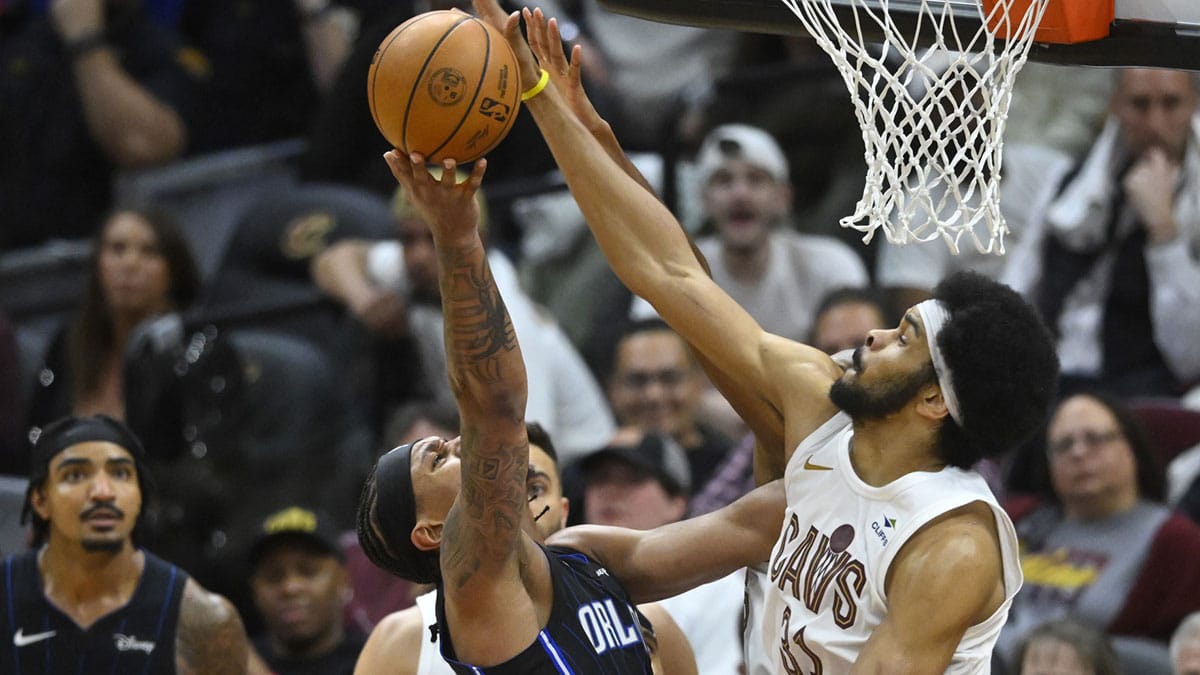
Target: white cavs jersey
(822, 592)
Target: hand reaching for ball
(448, 206)
(509, 24)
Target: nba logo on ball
(442, 84)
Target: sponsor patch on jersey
(129, 643)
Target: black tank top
(592, 627)
(38, 639)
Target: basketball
(446, 85)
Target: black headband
(67, 431)
(395, 501)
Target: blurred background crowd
(198, 236)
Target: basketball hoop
(932, 102)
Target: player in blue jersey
(86, 599)
(453, 511)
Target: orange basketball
(444, 84)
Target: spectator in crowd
(87, 596)
(1099, 543)
(756, 256)
(1185, 646)
(844, 318)
(1113, 262)
(1065, 647)
(391, 286)
(656, 385)
(140, 276)
(376, 593)
(641, 481)
(399, 645)
(300, 586)
(90, 88)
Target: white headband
(935, 316)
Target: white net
(932, 103)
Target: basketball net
(932, 107)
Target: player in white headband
(891, 554)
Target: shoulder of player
(394, 645)
(964, 541)
(210, 637)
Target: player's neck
(885, 450)
(86, 585)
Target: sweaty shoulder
(394, 646)
(959, 550)
(211, 638)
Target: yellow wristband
(537, 88)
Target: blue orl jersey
(38, 639)
(592, 627)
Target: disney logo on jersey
(814, 566)
(129, 643)
(605, 628)
(878, 529)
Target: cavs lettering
(817, 569)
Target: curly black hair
(1004, 365)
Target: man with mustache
(85, 598)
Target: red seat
(1171, 427)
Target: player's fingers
(449, 172)
(535, 31)
(489, 10)
(476, 178)
(401, 170)
(577, 65)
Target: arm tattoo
(210, 637)
(488, 521)
(489, 382)
(478, 328)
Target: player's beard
(863, 402)
(102, 545)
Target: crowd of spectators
(258, 433)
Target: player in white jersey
(967, 374)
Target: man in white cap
(756, 255)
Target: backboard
(1145, 33)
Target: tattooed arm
(210, 638)
(491, 570)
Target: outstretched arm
(482, 540)
(764, 419)
(671, 559)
